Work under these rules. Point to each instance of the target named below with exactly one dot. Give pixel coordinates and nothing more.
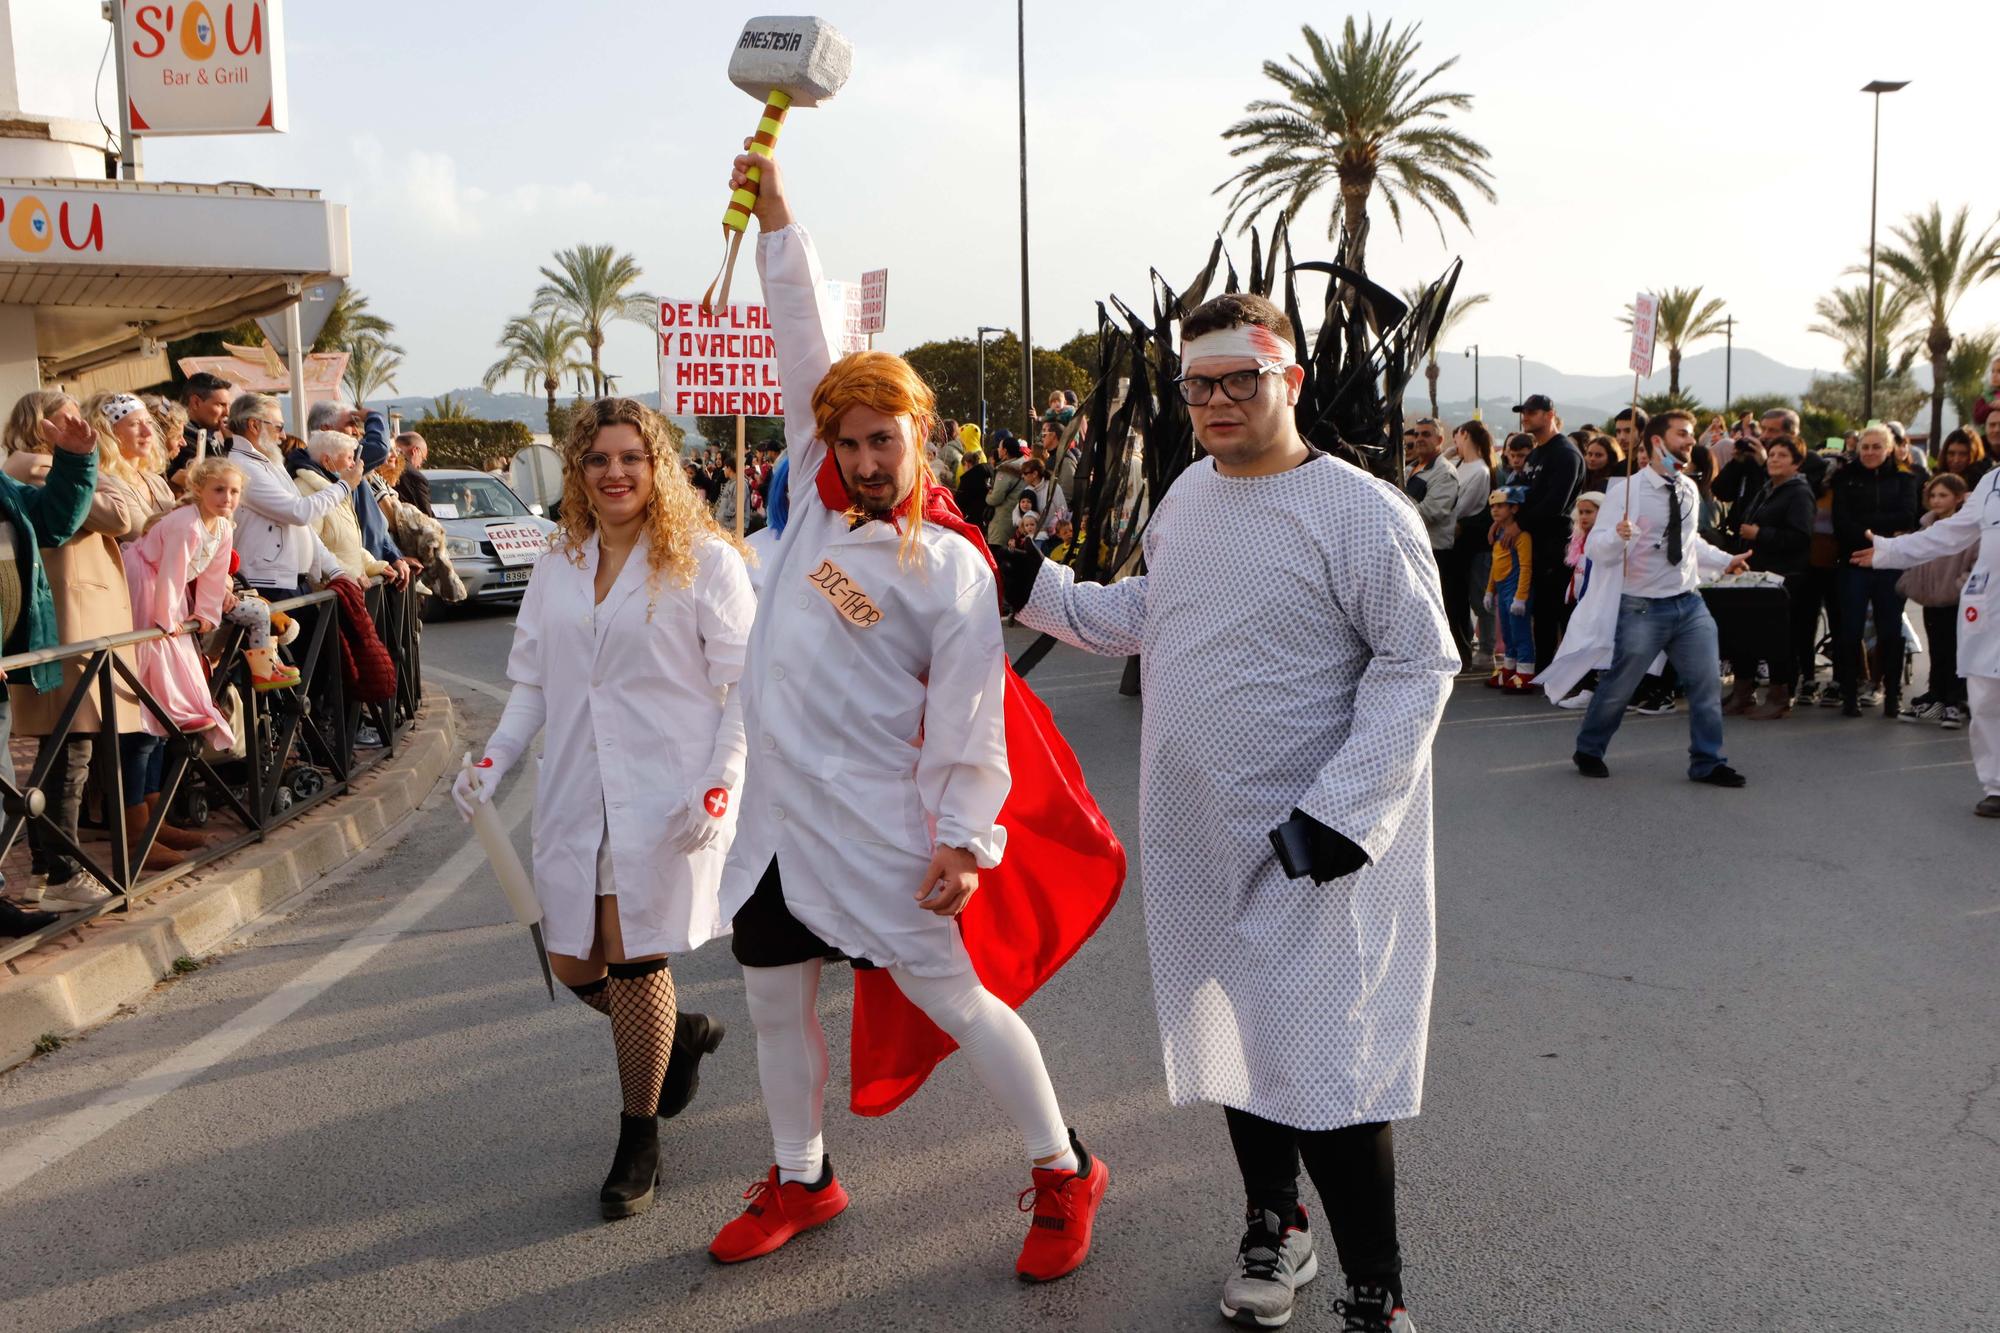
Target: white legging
(792, 1062)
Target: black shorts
(766, 934)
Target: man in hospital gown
(1296, 660)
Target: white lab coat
(639, 712)
(868, 744)
(1977, 520)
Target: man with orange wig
(880, 717)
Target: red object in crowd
(367, 671)
(1059, 879)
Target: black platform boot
(695, 1035)
(635, 1169)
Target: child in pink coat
(179, 571)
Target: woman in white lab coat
(627, 650)
(1977, 522)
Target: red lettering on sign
(147, 16)
(94, 238)
(254, 41)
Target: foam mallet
(785, 62)
(507, 868)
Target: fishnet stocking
(641, 1000)
(593, 996)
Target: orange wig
(885, 383)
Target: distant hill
(1582, 397)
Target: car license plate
(517, 575)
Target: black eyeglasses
(1239, 386)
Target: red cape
(1057, 881)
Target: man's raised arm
(801, 323)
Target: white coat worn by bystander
(1977, 521)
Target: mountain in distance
(1579, 398)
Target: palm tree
(1452, 317)
(348, 321)
(1683, 319)
(372, 363)
(590, 286)
(448, 408)
(540, 352)
(1935, 263)
(1354, 117)
(1843, 317)
(1966, 373)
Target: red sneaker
(778, 1212)
(1065, 1205)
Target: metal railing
(297, 747)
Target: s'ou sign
(206, 67)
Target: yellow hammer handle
(737, 216)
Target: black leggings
(1354, 1170)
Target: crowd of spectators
(259, 516)
(1506, 523)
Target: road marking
(1565, 763)
(22, 1160)
(1916, 768)
(465, 682)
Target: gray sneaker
(1371, 1309)
(1272, 1262)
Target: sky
(1633, 147)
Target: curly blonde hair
(110, 456)
(677, 518)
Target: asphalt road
(1699, 1059)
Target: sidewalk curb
(72, 984)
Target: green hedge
(468, 444)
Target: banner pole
(739, 476)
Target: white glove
(486, 774)
(1490, 604)
(1520, 608)
(700, 819)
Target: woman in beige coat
(332, 451)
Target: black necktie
(1674, 524)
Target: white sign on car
(516, 543)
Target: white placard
(1645, 324)
(517, 543)
(874, 300)
(209, 67)
(439, 509)
(725, 363)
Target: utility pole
(1728, 363)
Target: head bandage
(124, 405)
(1245, 340)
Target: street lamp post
(1027, 337)
(1520, 379)
(1473, 352)
(983, 331)
(1878, 87)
